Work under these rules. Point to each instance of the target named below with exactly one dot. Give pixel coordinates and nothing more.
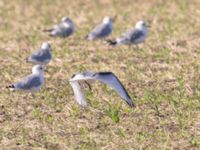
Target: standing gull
(132, 36)
(102, 30)
(31, 83)
(106, 77)
(64, 29)
(42, 56)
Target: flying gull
(64, 29)
(108, 78)
(31, 83)
(102, 30)
(42, 56)
(133, 36)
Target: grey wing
(130, 36)
(29, 83)
(83, 76)
(78, 92)
(62, 31)
(101, 30)
(67, 31)
(110, 79)
(135, 35)
(40, 56)
(125, 38)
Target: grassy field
(162, 77)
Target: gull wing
(110, 79)
(106, 77)
(77, 88)
(78, 92)
(28, 83)
(136, 35)
(40, 56)
(83, 76)
(130, 36)
(64, 29)
(100, 30)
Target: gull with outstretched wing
(106, 77)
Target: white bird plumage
(31, 83)
(106, 77)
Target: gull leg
(88, 85)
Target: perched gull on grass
(42, 56)
(64, 29)
(106, 77)
(102, 30)
(31, 83)
(132, 36)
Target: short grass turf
(162, 76)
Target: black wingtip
(10, 86)
(104, 73)
(73, 75)
(111, 42)
(130, 103)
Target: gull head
(107, 20)
(65, 19)
(38, 69)
(141, 25)
(46, 45)
(67, 22)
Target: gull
(42, 56)
(64, 29)
(133, 36)
(31, 83)
(108, 78)
(102, 30)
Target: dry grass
(163, 77)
